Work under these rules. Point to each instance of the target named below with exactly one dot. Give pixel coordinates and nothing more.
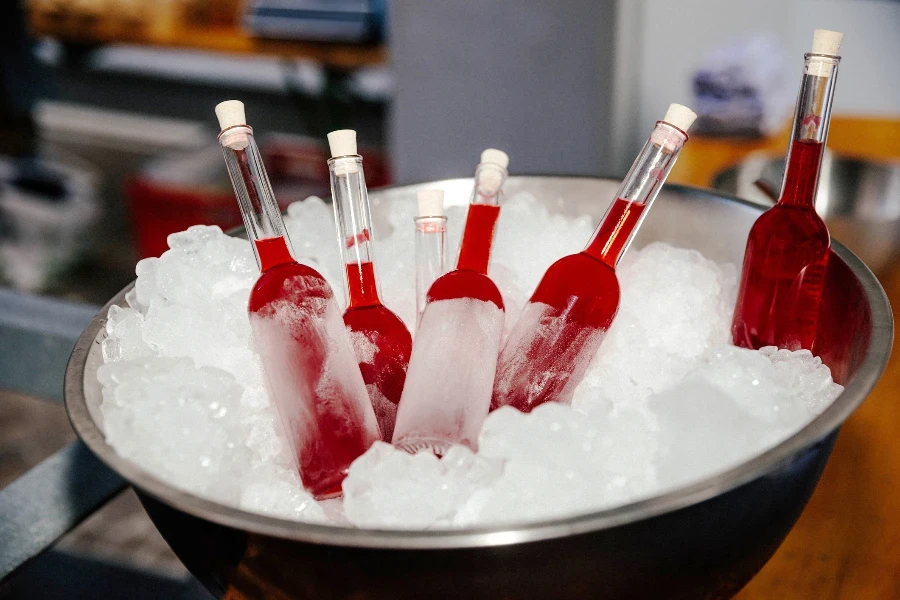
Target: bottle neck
(481, 219)
(431, 250)
(262, 216)
(637, 192)
(353, 221)
(810, 131)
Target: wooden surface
(846, 544)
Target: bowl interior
(856, 333)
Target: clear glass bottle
(787, 251)
(311, 373)
(381, 342)
(564, 322)
(448, 385)
(430, 244)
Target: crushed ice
(665, 401)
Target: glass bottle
(787, 251)
(564, 322)
(311, 373)
(430, 244)
(448, 385)
(381, 342)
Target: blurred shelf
(87, 31)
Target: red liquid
(475, 248)
(785, 262)
(334, 427)
(272, 252)
(469, 279)
(561, 328)
(610, 238)
(386, 371)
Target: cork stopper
(230, 113)
(826, 42)
(342, 144)
(495, 157)
(680, 116)
(431, 203)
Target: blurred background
(108, 136)
(107, 133)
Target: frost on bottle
(380, 340)
(448, 385)
(311, 373)
(564, 322)
(786, 257)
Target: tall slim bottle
(430, 244)
(380, 340)
(787, 250)
(311, 373)
(562, 326)
(448, 385)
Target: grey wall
(532, 77)
(869, 76)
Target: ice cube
(124, 335)
(389, 488)
(279, 493)
(177, 421)
(735, 404)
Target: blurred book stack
(317, 20)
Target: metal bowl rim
(854, 393)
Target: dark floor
(117, 546)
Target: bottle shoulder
(465, 283)
(379, 319)
(579, 275)
(292, 281)
(796, 222)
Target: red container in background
(177, 191)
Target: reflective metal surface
(705, 540)
(859, 200)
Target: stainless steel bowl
(705, 540)
(859, 200)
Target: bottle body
(575, 303)
(786, 257)
(782, 280)
(311, 374)
(381, 341)
(448, 387)
(550, 348)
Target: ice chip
(389, 488)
